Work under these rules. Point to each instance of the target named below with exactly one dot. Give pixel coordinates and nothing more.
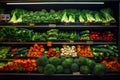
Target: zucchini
(21, 49)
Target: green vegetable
(85, 69)
(49, 69)
(85, 32)
(82, 60)
(55, 61)
(59, 69)
(74, 67)
(99, 69)
(42, 61)
(107, 13)
(40, 69)
(90, 63)
(67, 62)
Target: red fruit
(39, 53)
(14, 50)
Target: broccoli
(76, 60)
(100, 69)
(74, 67)
(67, 62)
(40, 69)
(49, 69)
(42, 61)
(90, 63)
(84, 69)
(59, 69)
(82, 60)
(54, 60)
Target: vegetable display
(4, 51)
(68, 51)
(20, 65)
(84, 50)
(63, 16)
(105, 51)
(23, 34)
(36, 51)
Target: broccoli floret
(84, 69)
(100, 69)
(49, 69)
(59, 69)
(40, 69)
(74, 67)
(54, 60)
(42, 61)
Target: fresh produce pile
(53, 52)
(63, 16)
(26, 65)
(98, 52)
(113, 66)
(17, 52)
(63, 65)
(3, 51)
(68, 51)
(36, 50)
(104, 51)
(23, 35)
(84, 50)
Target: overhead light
(29, 3)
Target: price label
(76, 73)
(4, 16)
(31, 24)
(49, 43)
(71, 41)
(52, 25)
(89, 42)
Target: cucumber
(85, 32)
(100, 46)
(21, 49)
(102, 50)
(84, 35)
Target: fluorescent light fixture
(29, 3)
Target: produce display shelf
(87, 42)
(67, 25)
(38, 74)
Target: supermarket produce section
(60, 40)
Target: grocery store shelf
(85, 42)
(38, 74)
(64, 25)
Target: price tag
(71, 41)
(31, 24)
(49, 43)
(76, 73)
(5, 17)
(89, 42)
(52, 25)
